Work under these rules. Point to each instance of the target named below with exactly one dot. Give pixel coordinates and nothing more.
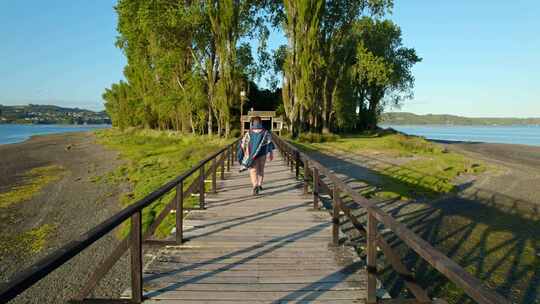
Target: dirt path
(68, 207)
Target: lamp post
(242, 98)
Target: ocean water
(523, 135)
(13, 133)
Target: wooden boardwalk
(272, 248)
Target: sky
(480, 58)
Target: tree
(382, 73)
(188, 60)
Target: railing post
(136, 258)
(315, 188)
(222, 173)
(214, 175)
(336, 204)
(306, 177)
(297, 164)
(371, 258)
(233, 153)
(291, 161)
(201, 188)
(180, 213)
(229, 158)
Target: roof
(262, 113)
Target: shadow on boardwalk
(492, 235)
(273, 247)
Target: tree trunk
(191, 123)
(227, 128)
(210, 125)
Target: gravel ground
(73, 205)
(516, 183)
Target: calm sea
(12, 133)
(524, 135)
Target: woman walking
(254, 148)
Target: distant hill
(404, 118)
(49, 114)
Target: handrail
(446, 266)
(31, 275)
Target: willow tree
(224, 19)
(319, 52)
(300, 71)
(118, 104)
(156, 37)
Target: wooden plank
(315, 188)
(214, 175)
(252, 301)
(335, 217)
(180, 213)
(372, 259)
(256, 295)
(201, 188)
(239, 279)
(306, 177)
(247, 287)
(136, 257)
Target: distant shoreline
(458, 125)
(50, 124)
(406, 118)
(22, 134)
(512, 135)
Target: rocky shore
(71, 204)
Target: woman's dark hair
(256, 119)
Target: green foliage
(426, 169)
(29, 242)
(188, 61)
(32, 182)
(311, 137)
(153, 158)
(184, 63)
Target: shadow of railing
(485, 234)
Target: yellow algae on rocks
(33, 181)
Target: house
(269, 119)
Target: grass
(32, 182)
(424, 168)
(32, 241)
(152, 158)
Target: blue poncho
(256, 142)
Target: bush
(235, 133)
(417, 144)
(317, 137)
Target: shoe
(255, 191)
(260, 188)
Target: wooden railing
(221, 159)
(335, 188)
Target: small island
(49, 114)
